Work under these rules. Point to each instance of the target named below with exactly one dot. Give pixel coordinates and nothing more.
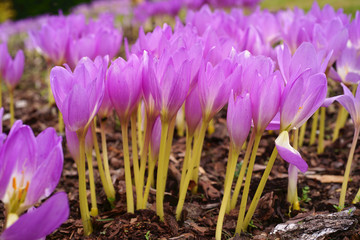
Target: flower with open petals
(39, 222)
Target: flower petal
(41, 221)
(288, 153)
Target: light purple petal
(288, 153)
(41, 221)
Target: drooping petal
(288, 153)
(41, 221)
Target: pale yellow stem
(247, 183)
(128, 181)
(94, 209)
(348, 169)
(314, 125)
(242, 173)
(84, 208)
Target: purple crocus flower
(238, 119)
(98, 38)
(124, 86)
(106, 107)
(193, 115)
(30, 167)
(332, 37)
(347, 67)
(300, 100)
(167, 83)
(50, 215)
(354, 31)
(351, 103)
(153, 42)
(53, 38)
(13, 69)
(4, 58)
(79, 94)
(305, 59)
(214, 86)
(265, 104)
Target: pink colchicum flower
(193, 115)
(214, 86)
(347, 67)
(30, 169)
(351, 103)
(26, 167)
(124, 86)
(11, 70)
(167, 84)
(265, 104)
(354, 31)
(238, 119)
(79, 94)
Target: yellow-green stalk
(108, 186)
(128, 181)
(321, 147)
(258, 193)
(302, 134)
(84, 208)
(211, 127)
(94, 209)
(230, 169)
(292, 197)
(247, 183)
(151, 168)
(187, 157)
(340, 122)
(139, 127)
(135, 155)
(12, 111)
(314, 125)
(192, 166)
(163, 164)
(347, 170)
(144, 154)
(160, 173)
(240, 179)
(61, 122)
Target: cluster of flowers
(147, 9)
(213, 59)
(271, 69)
(30, 169)
(73, 38)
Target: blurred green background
(19, 9)
(349, 6)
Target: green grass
(349, 6)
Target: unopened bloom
(11, 70)
(79, 94)
(124, 86)
(238, 119)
